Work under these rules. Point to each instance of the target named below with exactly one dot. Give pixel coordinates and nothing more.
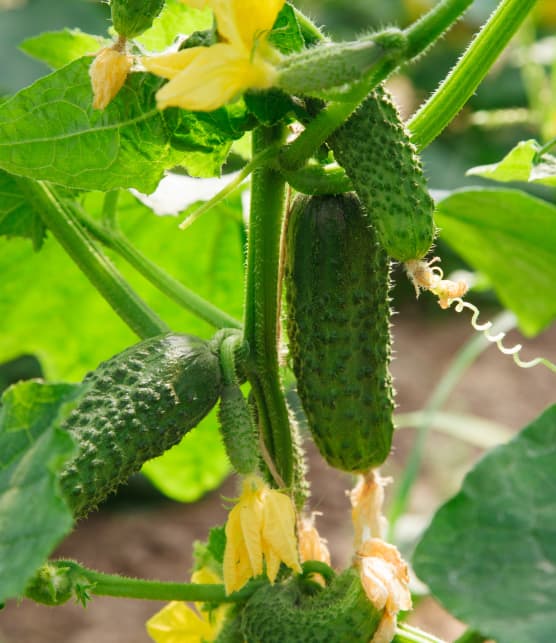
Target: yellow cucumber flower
(205, 78)
(108, 73)
(260, 526)
(179, 623)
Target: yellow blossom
(261, 526)
(179, 623)
(311, 545)
(108, 73)
(205, 78)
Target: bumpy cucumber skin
(138, 404)
(375, 150)
(337, 279)
(340, 612)
(132, 17)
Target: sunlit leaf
(58, 48)
(33, 515)
(17, 218)
(523, 163)
(510, 236)
(490, 554)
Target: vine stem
(463, 80)
(268, 199)
(100, 271)
(407, 634)
(419, 37)
(114, 239)
(461, 362)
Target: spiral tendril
(497, 339)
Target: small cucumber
(339, 612)
(337, 279)
(136, 405)
(132, 17)
(374, 148)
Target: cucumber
(337, 280)
(135, 406)
(339, 612)
(374, 148)
(132, 17)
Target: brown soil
(154, 540)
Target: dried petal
(367, 498)
(108, 74)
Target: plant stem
(93, 263)
(463, 80)
(546, 147)
(110, 209)
(420, 36)
(262, 306)
(123, 587)
(310, 32)
(461, 362)
(186, 298)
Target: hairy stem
(100, 271)
(419, 36)
(176, 291)
(262, 306)
(463, 80)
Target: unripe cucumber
(132, 17)
(374, 148)
(283, 613)
(136, 405)
(337, 279)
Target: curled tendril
(497, 339)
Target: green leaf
(176, 18)
(49, 131)
(58, 48)
(194, 465)
(17, 218)
(523, 163)
(33, 514)
(510, 236)
(286, 35)
(490, 554)
(47, 307)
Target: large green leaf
(58, 48)
(524, 162)
(510, 236)
(490, 553)
(50, 131)
(17, 218)
(33, 514)
(48, 308)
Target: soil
(153, 539)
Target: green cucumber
(132, 17)
(135, 406)
(339, 612)
(337, 280)
(374, 148)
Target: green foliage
(510, 237)
(286, 34)
(133, 143)
(525, 162)
(489, 554)
(34, 517)
(17, 217)
(58, 48)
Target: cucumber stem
(472, 67)
(420, 35)
(100, 271)
(268, 200)
(114, 239)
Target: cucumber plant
(338, 197)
